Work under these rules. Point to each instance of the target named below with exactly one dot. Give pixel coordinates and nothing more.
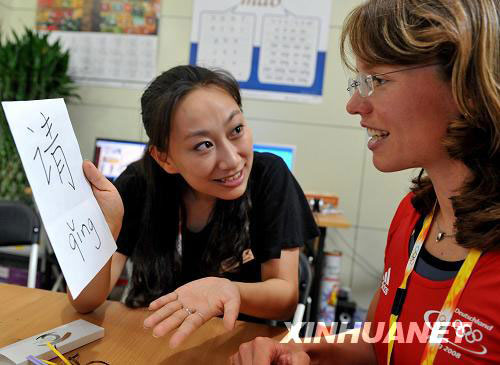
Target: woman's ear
(163, 160)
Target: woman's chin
(233, 194)
(388, 166)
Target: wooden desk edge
(209, 338)
(337, 220)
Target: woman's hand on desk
(191, 305)
(264, 351)
(107, 196)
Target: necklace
(442, 234)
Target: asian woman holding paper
(212, 228)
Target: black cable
(358, 259)
(361, 261)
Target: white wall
(331, 147)
(4, 11)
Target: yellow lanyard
(450, 302)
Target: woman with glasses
(426, 86)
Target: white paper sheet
(52, 160)
(108, 59)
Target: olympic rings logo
(464, 330)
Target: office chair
(20, 225)
(303, 309)
(302, 312)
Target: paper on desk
(52, 160)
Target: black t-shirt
(280, 218)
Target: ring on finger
(190, 311)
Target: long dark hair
(157, 262)
(463, 35)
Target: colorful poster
(113, 16)
(276, 49)
(111, 42)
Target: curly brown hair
(463, 36)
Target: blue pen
(34, 360)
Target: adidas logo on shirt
(385, 281)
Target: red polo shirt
(479, 305)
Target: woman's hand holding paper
(107, 197)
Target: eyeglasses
(366, 83)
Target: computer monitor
(287, 153)
(112, 156)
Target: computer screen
(287, 153)
(112, 156)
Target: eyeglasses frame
(353, 83)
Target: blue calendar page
(276, 49)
